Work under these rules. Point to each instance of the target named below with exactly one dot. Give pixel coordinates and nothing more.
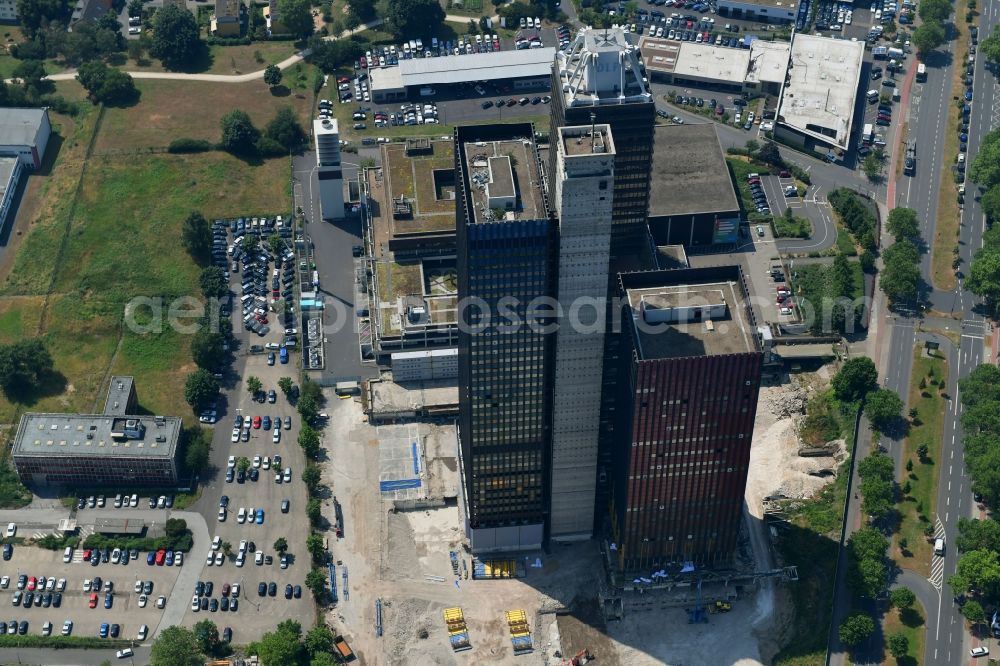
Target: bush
(179, 541)
(228, 41)
(184, 145)
(60, 642)
(267, 147)
(53, 542)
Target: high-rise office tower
(506, 261)
(688, 390)
(600, 74)
(328, 169)
(583, 184)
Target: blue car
(169, 558)
(963, 137)
(150, 558)
(104, 630)
(968, 95)
(260, 517)
(108, 600)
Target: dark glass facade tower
(688, 391)
(506, 260)
(599, 79)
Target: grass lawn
(845, 243)
(946, 229)
(168, 110)
(241, 59)
(927, 429)
(910, 623)
(740, 169)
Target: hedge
(184, 145)
(60, 642)
(182, 542)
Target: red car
(161, 555)
(784, 174)
(32, 582)
(343, 79)
(86, 555)
(364, 62)
(93, 600)
(256, 422)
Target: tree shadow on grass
(201, 61)
(49, 384)
(911, 617)
(280, 91)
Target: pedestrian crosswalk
(937, 563)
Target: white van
(872, 96)
(68, 554)
(538, 23)
(939, 546)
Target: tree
(985, 168)
(314, 545)
(286, 130)
(973, 611)
(176, 646)
(135, 8)
(934, 10)
(984, 274)
(118, 88)
(196, 234)
(311, 476)
(243, 464)
(319, 639)
(200, 389)
(23, 366)
(253, 385)
(903, 224)
(296, 15)
(855, 379)
(214, 282)
(977, 570)
(751, 146)
(990, 47)
(33, 15)
(227, 548)
(882, 407)
(323, 658)
(872, 167)
(977, 535)
(866, 562)
(31, 74)
(413, 17)
(901, 276)
(309, 441)
(272, 75)
(285, 384)
(363, 10)
(175, 36)
(279, 647)
(197, 449)
(281, 545)
(990, 203)
(855, 629)
(250, 243)
(330, 55)
(314, 511)
(902, 598)
(239, 136)
(308, 408)
(898, 645)
(928, 37)
(316, 582)
(276, 243)
(207, 635)
(769, 154)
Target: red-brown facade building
(685, 416)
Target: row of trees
(856, 216)
(180, 646)
(901, 261)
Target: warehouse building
(525, 69)
(760, 68)
(818, 102)
(99, 450)
(694, 203)
(765, 11)
(24, 133)
(690, 377)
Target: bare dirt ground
(402, 557)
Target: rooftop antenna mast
(593, 131)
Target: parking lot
(257, 614)
(75, 602)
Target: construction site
(411, 592)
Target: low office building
(690, 377)
(410, 217)
(817, 105)
(95, 450)
(694, 203)
(525, 69)
(24, 133)
(759, 68)
(765, 11)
